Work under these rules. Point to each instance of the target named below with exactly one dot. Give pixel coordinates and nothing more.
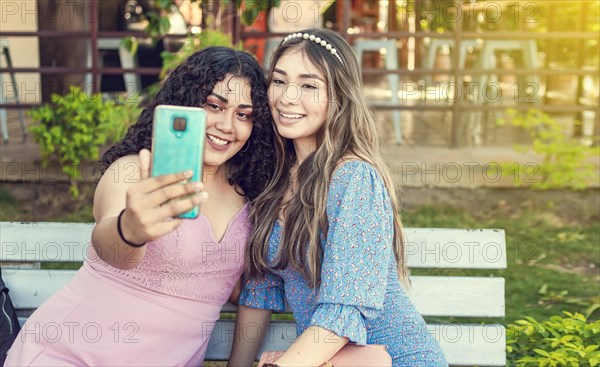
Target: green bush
(566, 163)
(74, 127)
(569, 340)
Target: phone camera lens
(179, 124)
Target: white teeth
(291, 116)
(216, 140)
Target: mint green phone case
(178, 146)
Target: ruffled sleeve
(357, 254)
(266, 293)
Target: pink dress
(161, 313)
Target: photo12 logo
(469, 172)
(472, 12)
(67, 11)
(79, 332)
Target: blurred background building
(438, 72)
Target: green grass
(10, 210)
(84, 215)
(553, 265)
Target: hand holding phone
(178, 138)
(153, 204)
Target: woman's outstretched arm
(148, 213)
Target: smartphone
(178, 136)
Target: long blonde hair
(349, 130)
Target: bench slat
(455, 248)
(458, 296)
(425, 247)
(451, 296)
(30, 288)
(433, 296)
(463, 345)
(60, 242)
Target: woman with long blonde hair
(327, 236)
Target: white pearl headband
(316, 40)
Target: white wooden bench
(465, 344)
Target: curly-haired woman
(152, 285)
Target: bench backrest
(465, 344)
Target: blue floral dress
(360, 296)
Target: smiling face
(298, 97)
(228, 119)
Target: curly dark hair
(189, 85)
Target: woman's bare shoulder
(109, 197)
(125, 169)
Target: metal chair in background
(127, 60)
(391, 63)
(436, 44)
